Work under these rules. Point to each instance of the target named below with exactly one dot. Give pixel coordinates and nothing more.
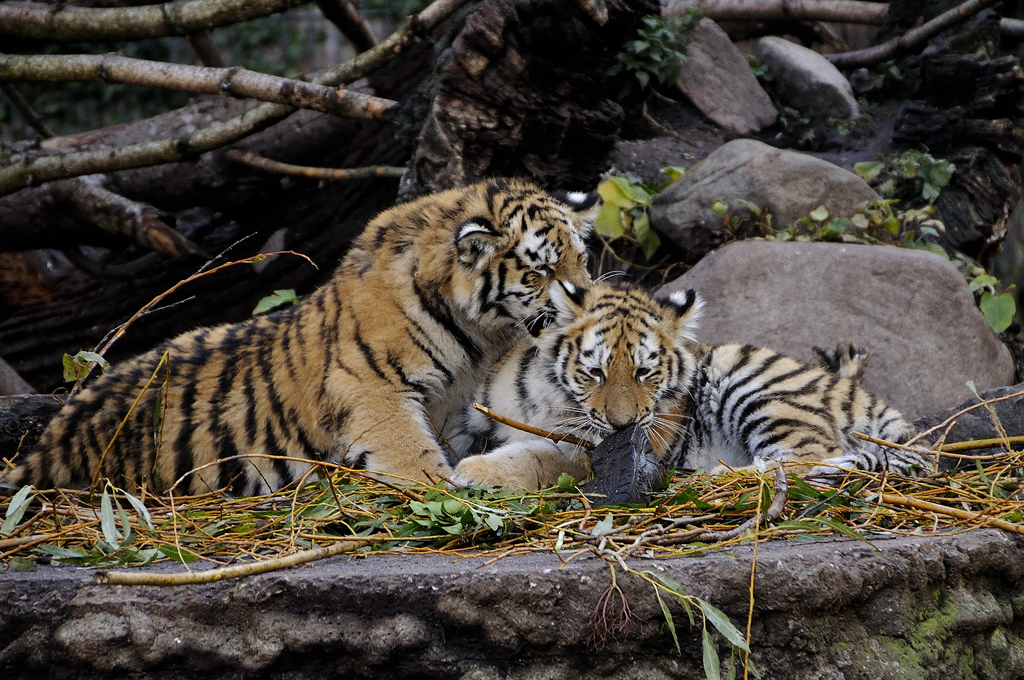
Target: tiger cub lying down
(430, 294)
(616, 357)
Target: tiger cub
(430, 294)
(612, 357)
(616, 357)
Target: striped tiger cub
(430, 294)
(616, 357)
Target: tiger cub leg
(519, 465)
(386, 432)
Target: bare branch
(839, 11)
(911, 39)
(343, 14)
(34, 171)
(69, 23)
(235, 81)
(139, 223)
(261, 163)
(26, 110)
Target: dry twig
(279, 168)
(515, 424)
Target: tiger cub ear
(567, 300)
(689, 307)
(476, 240)
(585, 206)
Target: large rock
(910, 309)
(787, 184)
(806, 80)
(717, 79)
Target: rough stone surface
(806, 80)
(719, 82)
(910, 309)
(980, 423)
(787, 184)
(899, 609)
(11, 382)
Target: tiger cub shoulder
(358, 373)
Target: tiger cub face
(513, 247)
(623, 358)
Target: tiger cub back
(358, 373)
(616, 357)
(754, 402)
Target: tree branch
(26, 110)
(235, 81)
(840, 11)
(343, 14)
(203, 46)
(911, 39)
(261, 163)
(68, 23)
(28, 172)
(139, 223)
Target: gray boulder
(910, 309)
(979, 422)
(719, 82)
(806, 80)
(11, 382)
(787, 184)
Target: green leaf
(604, 526)
(16, 510)
(982, 281)
(819, 214)
(719, 207)
(140, 510)
(494, 522)
(453, 507)
(712, 671)
(57, 551)
(668, 620)
(868, 170)
(281, 297)
(674, 172)
(720, 621)
(841, 528)
(998, 310)
(177, 554)
(107, 522)
(566, 482)
(22, 564)
(608, 222)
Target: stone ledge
(951, 606)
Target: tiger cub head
(624, 358)
(516, 240)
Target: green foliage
(761, 71)
(656, 54)
(77, 367)
(624, 205)
(910, 174)
(885, 76)
(280, 298)
(16, 510)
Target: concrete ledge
(949, 607)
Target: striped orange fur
(360, 372)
